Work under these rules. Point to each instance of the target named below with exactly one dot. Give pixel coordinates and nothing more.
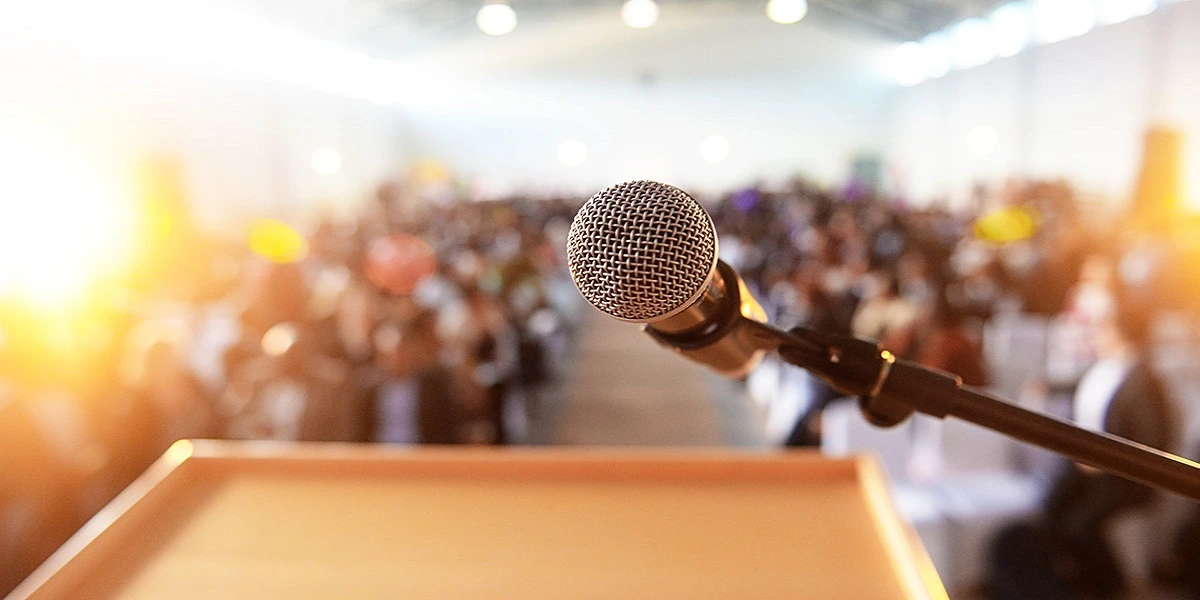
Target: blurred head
(879, 284)
(152, 352)
(404, 348)
(359, 309)
(292, 346)
(1126, 329)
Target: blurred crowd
(445, 322)
(928, 283)
(416, 322)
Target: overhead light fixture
(1010, 28)
(1109, 12)
(714, 148)
(972, 43)
(572, 153)
(639, 14)
(937, 54)
(181, 34)
(909, 64)
(496, 18)
(1057, 20)
(786, 12)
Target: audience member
(442, 320)
(1119, 394)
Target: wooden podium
(266, 520)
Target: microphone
(646, 252)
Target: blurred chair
(844, 431)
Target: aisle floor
(623, 389)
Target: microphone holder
(889, 390)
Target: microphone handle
(890, 390)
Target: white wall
(1076, 109)
(775, 128)
(245, 144)
(801, 98)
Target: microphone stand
(890, 390)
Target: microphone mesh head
(641, 250)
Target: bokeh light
(66, 221)
(1057, 20)
(326, 161)
(1006, 226)
(277, 241)
(786, 12)
(279, 339)
(1109, 12)
(972, 43)
(639, 14)
(908, 64)
(496, 18)
(938, 60)
(1010, 28)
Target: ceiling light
(937, 54)
(496, 18)
(639, 14)
(909, 64)
(1109, 12)
(1010, 28)
(786, 12)
(972, 43)
(1056, 20)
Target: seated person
(1121, 395)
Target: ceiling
(399, 28)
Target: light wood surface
(231, 521)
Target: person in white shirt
(1120, 394)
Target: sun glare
(65, 221)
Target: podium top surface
(255, 520)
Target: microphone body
(646, 252)
(712, 330)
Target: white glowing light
(1057, 20)
(714, 148)
(982, 140)
(496, 18)
(908, 64)
(639, 14)
(1010, 28)
(572, 153)
(786, 12)
(65, 221)
(326, 161)
(184, 33)
(279, 339)
(972, 43)
(937, 54)
(1109, 12)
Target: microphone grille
(641, 250)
